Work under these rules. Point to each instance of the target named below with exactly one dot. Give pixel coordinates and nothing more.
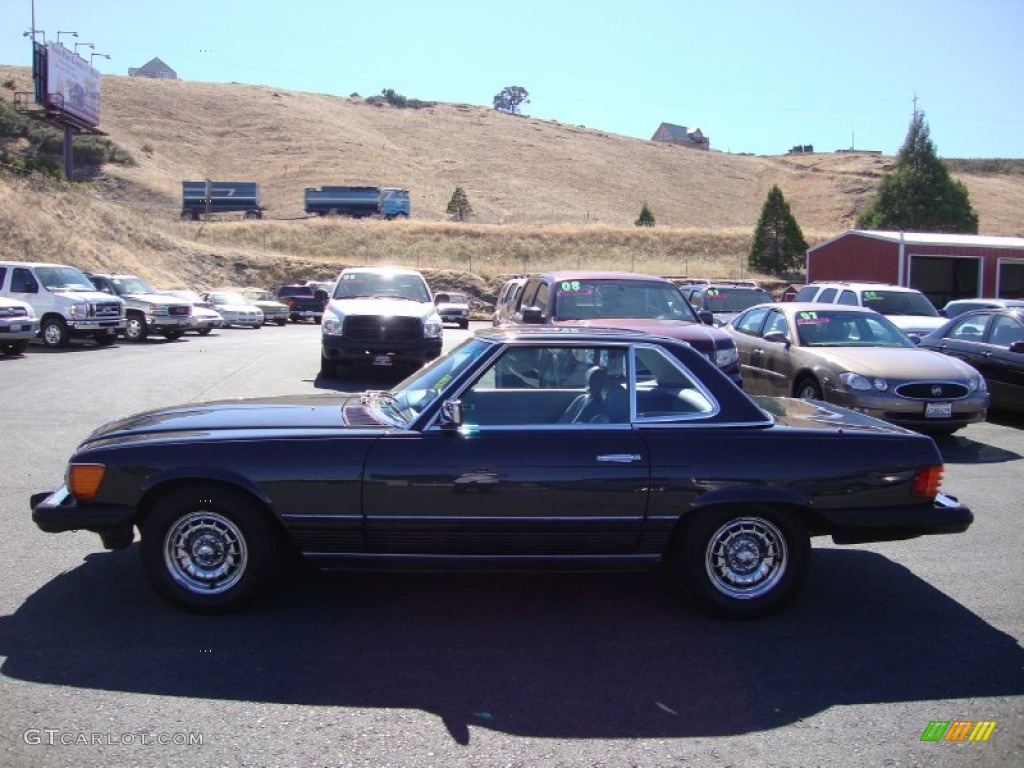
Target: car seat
(590, 405)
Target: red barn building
(943, 267)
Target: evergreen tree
(646, 217)
(919, 195)
(779, 245)
(511, 98)
(459, 206)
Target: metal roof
(930, 238)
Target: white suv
(908, 308)
(18, 324)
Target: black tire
(105, 339)
(328, 368)
(281, 321)
(188, 216)
(252, 214)
(12, 348)
(204, 331)
(208, 548)
(135, 328)
(743, 563)
(808, 389)
(174, 335)
(464, 324)
(54, 333)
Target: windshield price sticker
(574, 288)
(810, 318)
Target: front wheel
(328, 368)
(104, 339)
(743, 563)
(54, 332)
(12, 348)
(135, 328)
(808, 389)
(208, 549)
(204, 331)
(174, 335)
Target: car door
(777, 356)
(750, 348)
(1002, 367)
(512, 483)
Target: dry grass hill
(545, 194)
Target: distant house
(682, 136)
(153, 68)
(800, 149)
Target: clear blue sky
(755, 75)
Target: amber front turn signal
(84, 480)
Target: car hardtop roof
(38, 264)
(384, 270)
(817, 306)
(569, 334)
(578, 274)
(996, 302)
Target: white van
(66, 303)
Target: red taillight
(927, 481)
(84, 480)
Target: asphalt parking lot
(482, 670)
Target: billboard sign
(72, 85)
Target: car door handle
(620, 458)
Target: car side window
(1006, 331)
(22, 281)
(751, 322)
(3, 275)
(776, 322)
(549, 386)
(806, 293)
(827, 296)
(969, 328)
(541, 300)
(666, 392)
(849, 298)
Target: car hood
(894, 362)
(239, 419)
(237, 308)
(156, 298)
(394, 307)
(702, 337)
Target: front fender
(184, 475)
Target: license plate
(938, 410)
(17, 328)
(384, 360)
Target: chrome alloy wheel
(205, 553)
(746, 558)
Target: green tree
(511, 98)
(459, 206)
(779, 245)
(646, 217)
(919, 195)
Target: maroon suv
(646, 303)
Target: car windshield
(590, 299)
(899, 303)
(259, 295)
(356, 285)
(64, 279)
(409, 397)
(733, 300)
(130, 285)
(450, 298)
(847, 329)
(228, 298)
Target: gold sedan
(857, 358)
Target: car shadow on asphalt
(540, 655)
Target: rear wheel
(54, 332)
(205, 331)
(743, 563)
(104, 339)
(172, 335)
(188, 216)
(208, 548)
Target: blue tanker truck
(358, 202)
(199, 198)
